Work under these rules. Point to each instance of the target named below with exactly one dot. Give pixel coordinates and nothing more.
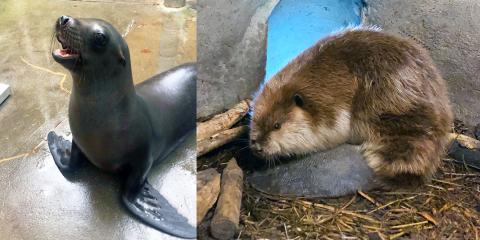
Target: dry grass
(447, 208)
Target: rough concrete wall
(231, 51)
(451, 31)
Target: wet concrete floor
(36, 200)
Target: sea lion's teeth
(64, 53)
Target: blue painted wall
(295, 25)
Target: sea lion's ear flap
(121, 57)
(298, 100)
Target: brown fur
(394, 102)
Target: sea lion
(359, 86)
(119, 127)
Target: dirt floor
(36, 200)
(446, 208)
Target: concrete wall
(451, 31)
(231, 51)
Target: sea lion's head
(90, 44)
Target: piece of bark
(219, 139)
(225, 221)
(222, 121)
(208, 188)
(465, 141)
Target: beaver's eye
(100, 39)
(276, 125)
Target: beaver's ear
(121, 57)
(298, 100)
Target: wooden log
(225, 221)
(465, 141)
(208, 188)
(222, 121)
(219, 139)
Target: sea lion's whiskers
(63, 32)
(73, 38)
(74, 30)
(66, 32)
(76, 35)
(66, 36)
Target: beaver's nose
(63, 20)
(256, 147)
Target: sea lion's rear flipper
(333, 173)
(67, 155)
(152, 208)
(463, 155)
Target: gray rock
(337, 172)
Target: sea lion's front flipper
(152, 208)
(333, 173)
(67, 155)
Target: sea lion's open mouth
(66, 52)
(67, 34)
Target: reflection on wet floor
(36, 200)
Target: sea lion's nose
(63, 20)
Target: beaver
(358, 86)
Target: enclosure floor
(446, 208)
(36, 200)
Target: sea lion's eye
(100, 39)
(298, 100)
(277, 125)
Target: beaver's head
(296, 118)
